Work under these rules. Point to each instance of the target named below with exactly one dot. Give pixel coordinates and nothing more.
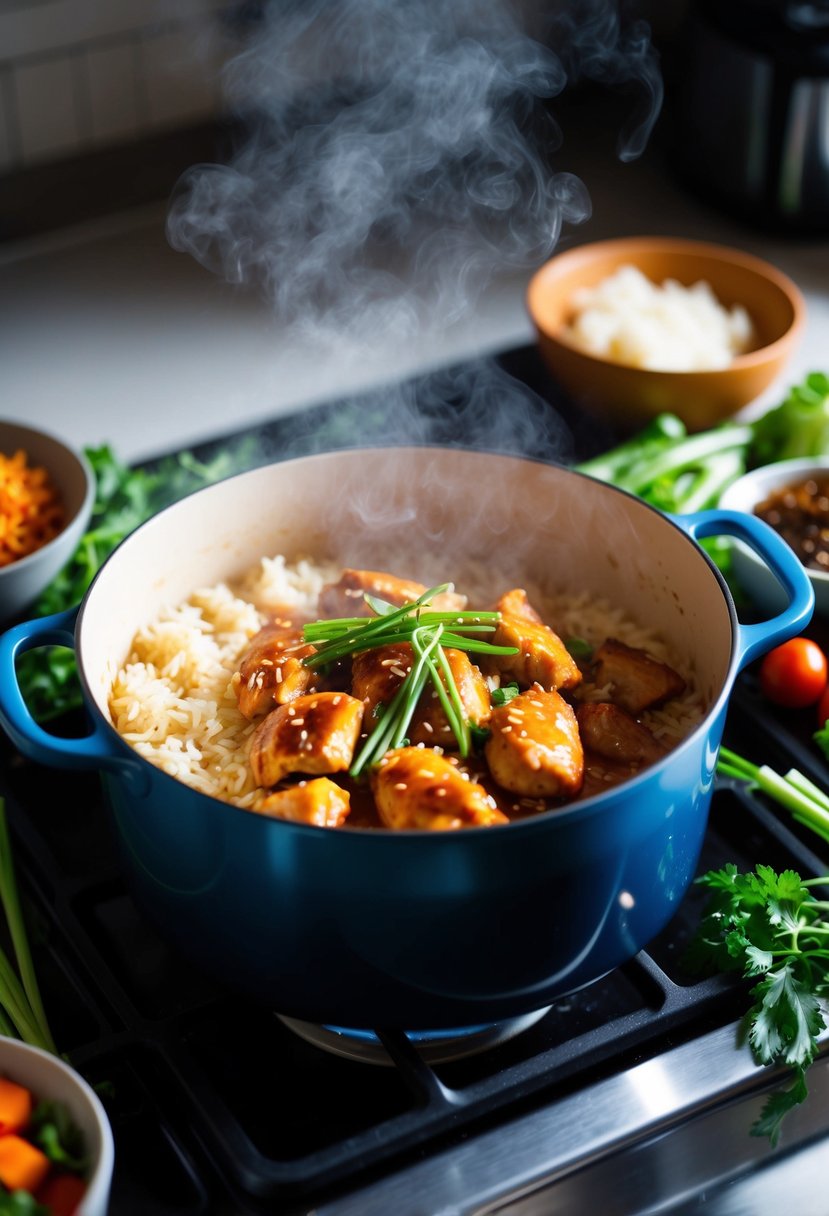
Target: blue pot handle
(96, 750)
(755, 639)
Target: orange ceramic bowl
(628, 396)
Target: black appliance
(750, 105)
(631, 1096)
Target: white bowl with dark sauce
(793, 497)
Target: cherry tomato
(794, 674)
(823, 708)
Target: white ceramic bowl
(744, 494)
(49, 1077)
(22, 581)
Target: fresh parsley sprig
(427, 632)
(771, 926)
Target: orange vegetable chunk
(22, 1166)
(15, 1106)
(62, 1193)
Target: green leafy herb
(799, 426)
(680, 473)
(124, 499)
(504, 694)
(21, 1203)
(427, 632)
(54, 1131)
(771, 926)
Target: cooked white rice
(661, 326)
(173, 701)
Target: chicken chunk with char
(316, 733)
(535, 748)
(540, 655)
(419, 789)
(271, 671)
(611, 732)
(346, 597)
(320, 802)
(635, 679)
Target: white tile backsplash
(85, 74)
(179, 84)
(56, 25)
(113, 92)
(8, 127)
(47, 111)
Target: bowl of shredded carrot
(47, 491)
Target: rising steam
(397, 155)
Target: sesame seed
(398, 671)
(279, 675)
(303, 734)
(440, 792)
(428, 726)
(506, 730)
(297, 721)
(400, 785)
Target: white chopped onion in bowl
(663, 327)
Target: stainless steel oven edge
(669, 1135)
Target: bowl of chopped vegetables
(47, 491)
(793, 497)
(635, 327)
(56, 1145)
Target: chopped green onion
(427, 633)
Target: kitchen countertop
(109, 335)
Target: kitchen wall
(77, 75)
(103, 104)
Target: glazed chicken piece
(271, 671)
(417, 789)
(345, 597)
(611, 732)
(315, 733)
(377, 674)
(320, 802)
(541, 657)
(516, 603)
(534, 748)
(636, 680)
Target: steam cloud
(396, 155)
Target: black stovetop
(218, 1106)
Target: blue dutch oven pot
(365, 928)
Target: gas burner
(434, 1046)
